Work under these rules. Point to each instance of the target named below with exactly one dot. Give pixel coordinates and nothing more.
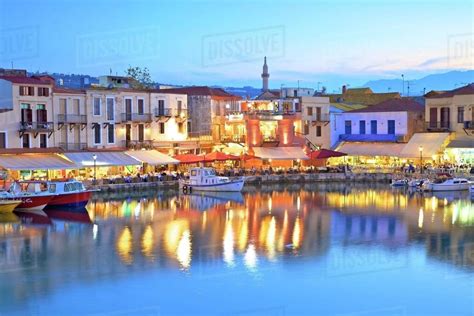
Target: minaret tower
(265, 75)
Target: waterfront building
(316, 117)
(453, 112)
(206, 111)
(26, 112)
(377, 134)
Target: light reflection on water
(344, 230)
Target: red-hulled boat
(66, 193)
(34, 196)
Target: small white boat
(416, 183)
(450, 184)
(399, 183)
(206, 179)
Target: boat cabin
(205, 176)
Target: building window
(97, 106)
(97, 135)
(318, 131)
(306, 128)
(373, 127)
(43, 140)
(141, 106)
(189, 126)
(3, 140)
(391, 127)
(180, 128)
(111, 134)
(110, 103)
(43, 92)
(460, 114)
(162, 128)
(25, 141)
(348, 127)
(309, 111)
(25, 90)
(318, 113)
(362, 127)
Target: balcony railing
(469, 125)
(438, 126)
(372, 137)
(72, 118)
(73, 146)
(234, 139)
(166, 112)
(136, 117)
(200, 136)
(317, 118)
(36, 126)
(137, 144)
(181, 113)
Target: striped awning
(371, 149)
(35, 162)
(152, 157)
(103, 159)
(280, 153)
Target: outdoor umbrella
(188, 158)
(246, 157)
(218, 156)
(325, 153)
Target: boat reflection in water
(317, 228)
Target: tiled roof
(25, 80)
(198, 90)
(268, 95)
(68, 90)
(348, 106)
(468, 89)
(393, 105)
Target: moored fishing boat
(206, 179)
(33, 196)
(399, 182)
(68, 194)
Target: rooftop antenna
(403, 84)
(408, 87)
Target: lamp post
(94, 157)
(421, 159)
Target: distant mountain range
(443, 81)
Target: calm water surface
(279, 250)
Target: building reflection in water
(273, 225)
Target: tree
(142, 77)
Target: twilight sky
(223, 42)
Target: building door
(161, 107)
(433, 117)
(318, 114)
(362, 127)
(43, 140)
(41, 114)
(26, 141)
(26, 114)
(128, 133)
(348, 127)
(391, 127)
(373, 127)
(141, 133)
(445, 117)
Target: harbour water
(276, 250)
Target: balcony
(163, 112)
(321, 118)
(443, 126)
(269, 115)
(73, 146)
(137, 144)
(36, 126)
(72, 118)
(200, 136)
(469, 125)
(372, 137)
(270, 141)
(234, 139)
(136, 117)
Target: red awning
(188, 158)
(324, 154)
(246, 157)
(218, 156)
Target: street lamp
(94, 157)
(421, 159)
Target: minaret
(265, 75)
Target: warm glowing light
(296, 238)
(228, 243)
(420, 218)
(124, 246)
(148, 243)
(183, 252)
(250, 258)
